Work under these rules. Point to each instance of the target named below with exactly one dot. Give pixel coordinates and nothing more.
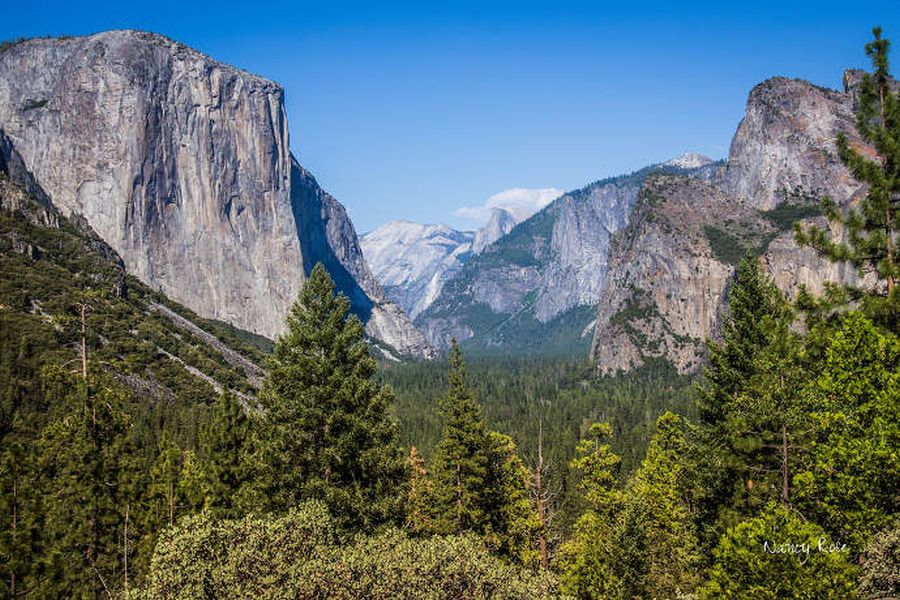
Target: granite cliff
(535, 289)
(670, 268)
(182, 164)
(413, 261)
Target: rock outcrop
(182, 164)
(413, 261)
(501, 222)
(545, 275)
(668, 273)
(786, 143)
(669, 270)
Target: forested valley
(149, 453)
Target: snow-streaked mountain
(412, 261)
(536, 288)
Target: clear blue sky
(412, 110)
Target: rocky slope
(545, 276)
(182, 165)
(150, 344)
(412, 261)
(669, 270)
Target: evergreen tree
(165, 475)
(460, 473)
(326, 432)
(585, 560)
(720, 452)
(655, 552)
(513, 521)
(872, 228)
(751, 299)
(418, 498)
(82, 462)
(224, 446)
(767, 558)
(20, 509)
(850, 472)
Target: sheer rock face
(327, 236)
(548, 267)
(665, 286)
(787, 142)
(179, 162)
(501, 222)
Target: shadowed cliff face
(327, 236)
(179, 162)
(321, 221)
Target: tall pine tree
(461, 462)
(326, 432)
(586, 558)
(81, 457)
(224, 447)
(756, 311)
(873, 230)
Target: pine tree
(751, 299)
(418, 498)
(655, 551)
(756, 311)
(19, 506)
(763, 558)
(224, 446)
(326, 432)
(586, 558)
(513, 522)
(81, 458)
(165, 475)
(872, 228)
(461, 462)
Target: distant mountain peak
(690, 160)
(501, 222)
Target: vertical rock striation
(179, 162)
(670, 268)
(542, 280)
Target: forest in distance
(319, 471)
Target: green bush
(779, 555)
(295, 556)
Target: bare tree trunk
(784, 465)
(888, 225)
(84, 360)
(458, 498)
(539, 488)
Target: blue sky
(415, 110)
